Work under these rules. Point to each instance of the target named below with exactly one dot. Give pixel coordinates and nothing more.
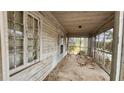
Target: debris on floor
(77, 68)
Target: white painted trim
(25, 60)
(119, 45)
(4, 45)
(41, 38)
(25, 38)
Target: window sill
(20, 68)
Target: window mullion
(104, 50)
(25, 39)
(14, 42)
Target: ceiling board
(89, 20)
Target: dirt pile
(77, 68)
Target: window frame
(34, 17)
(103, 51)
(72, 45)
(15, 46)
(26, 64)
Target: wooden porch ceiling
(82, 23)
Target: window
(101, 41)
(84, 45)
(103, 51)
(108, 49)
(97, 40)
(22, 37)
(33, 38)
(78, 45)
(61, 49)
(108, 40)
(15, 38)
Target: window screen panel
(108, 40)
(30, 56)
(11, 60)
(101, 58)
(101, 41)
(30, 42)
(36, 24)
(35, 54)
(19, 17)
(11, 44)
(19, 58)
(108, 60)
(19, 30)
(84, 45)
(10, 16)
(105, 49)
(35, 44)
(11, 28)
(30, 22)
(38, 53)
(19, 44)
(97, 41)
(15, 33)
(33, 38)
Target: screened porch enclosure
(78, 45)
(102, 48)
(34, 43)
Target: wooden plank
(30, 72)
(4, 46)
(90, 21)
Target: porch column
(89, 46)
(93, 47)
(4, 65)
(117, 46)
(67, 44)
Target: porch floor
(77, 68)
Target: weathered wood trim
(117, 46)
(41, 36)
(38, 16)
(89, 46)
(36, 70)
(4, 45)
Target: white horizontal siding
(50, 54)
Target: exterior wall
(51, 42)
(49, 52)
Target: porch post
(117, 46)
(89, 45)
(4, 64)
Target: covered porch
(61, 45)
